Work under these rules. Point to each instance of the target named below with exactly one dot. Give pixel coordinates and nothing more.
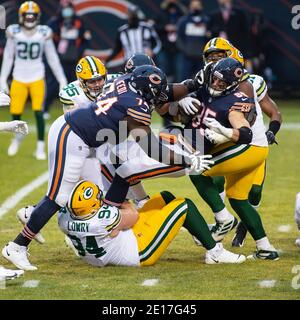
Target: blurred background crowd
(173, 33)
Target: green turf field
(181, 272)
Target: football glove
(216, 126)
(189, 105)
(14, 126)
(200, 163)
(271, 137)
(4, 99)
(215, 137)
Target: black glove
(271, 137)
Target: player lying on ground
(107, 235)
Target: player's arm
(129, 217)
(7, 62)
(269, 107)
(54, 63)
(240, 132)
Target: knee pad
(255, 195)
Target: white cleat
(221, 255)
(18, 256)
(70, 245)
(24, 215)
(8, 274)
(40, 155)
(220, 229)
(140, 203)
(14, 147)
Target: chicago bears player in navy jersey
(72, 136)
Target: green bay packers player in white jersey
(26, 43)
(107, 235)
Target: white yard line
(13, 200)
(267, 283)
(31, 284)
(150, 282)
(284, 228)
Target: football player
(219, 48)
(25, 46)
(106, 235)
(71, 137)
(14, 126)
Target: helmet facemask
(29, 20)
(93, 87)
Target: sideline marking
(267, 283)
(150, 282)
(31, 284)
(13, 200)
(284, 228)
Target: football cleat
(270, 254)
(220, 229)
(240, 235)
(24, 215)
(221, 255)
(40, 155)
(140, 203)
(8, 274)
(14, 147)
(18, 256)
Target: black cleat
(240, 235)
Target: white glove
(62, 84)
(214, 137)
(187, 105)
(14, 126)
(4, 87)
(4, 99)
(200, 162)
(216, 126)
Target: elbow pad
(246, 135)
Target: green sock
(208, 192)
(40, 123)
(196, 225)
(255, 194)
(250, 217)
(167, 196)
(220, 183)
(16, 116)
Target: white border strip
(13, 200)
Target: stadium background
(103, 18)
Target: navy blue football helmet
(224, 76)
(137, 60)
(151, 83)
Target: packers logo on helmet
(29, 14)
(85, 199)
(91, 73)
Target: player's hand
(17, 127)
(216, 126)
(4, 87)
(271, 137)
(4, 99)
(215, 137)
(200, 163)
(189, 105)
(62, 84)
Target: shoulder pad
(12, 30)
(45, 31)
(259, 85)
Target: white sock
(223, 215)
(19, 137)
(40, 146)
(263, 243)
(223, 195)
(138, 191)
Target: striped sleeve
(140, 114)
(114, 220)
(262, 90)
